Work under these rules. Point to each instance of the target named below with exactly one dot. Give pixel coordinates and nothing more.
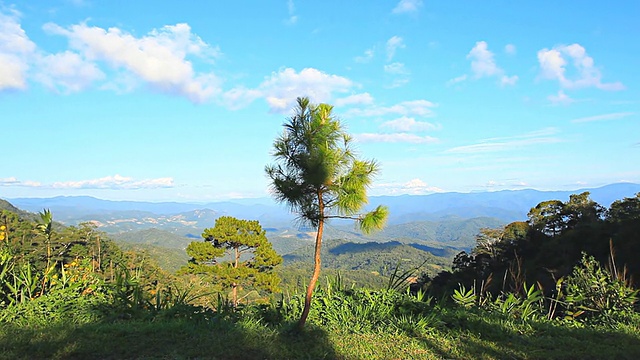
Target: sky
(181, 101)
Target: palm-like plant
(45, 227)
(318, 175)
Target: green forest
(560, 284)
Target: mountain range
(419, 227)
(440, 219)
(506, 205)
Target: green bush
(61, 305)
(594, 294)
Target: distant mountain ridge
(506, 205)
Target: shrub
(597, 295)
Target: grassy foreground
(451, 334)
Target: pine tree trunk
(316, 267)
(234, 286)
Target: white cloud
(396, 68)
(283, 87)
(395, 138)
(399, 74)
(419, 186)
(482, 62)
(484, 65)
(456, 80)
(543, 136)
(159, 58)
(415, 107)
(492, 184)
(560, 99)
(409, 124)
(413, 187)
(407, 6)
(12, 181)
(366, 57)
(363, 99)
(508, 80)
(293, 18)
(239, 97)
(604, 117)
(67, 70)
(15, 50)
(12, 72)
(397, 82)
(393, 44)
(13, 38)
(116, 182)
(554, 62)
(510, 49)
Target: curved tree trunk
(316, 267)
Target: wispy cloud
(395, 138)
(366, 57)
(281, 89)
(494, 184)
(409, 124)
(116, 182)
(554, 62)
(560, 99)
(356, 99)
(396, 68)
(293, 18)
(457, 80)
(12, 181)
(413, 187)
(407, 6)
(604, 117)
(398, 73)
(510, 49)
(407, 108)
(543, 136)
(393, 44)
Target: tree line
(547, 247)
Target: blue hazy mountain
(507, 206)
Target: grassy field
(450, 334)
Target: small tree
(235, 253)
(318, 175)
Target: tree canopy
(235, 254)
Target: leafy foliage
(596, 294)
(251, 261)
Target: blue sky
(164, 100)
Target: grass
(455, 334)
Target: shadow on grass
(166, 339)
(478, 336)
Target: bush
(594, 294)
